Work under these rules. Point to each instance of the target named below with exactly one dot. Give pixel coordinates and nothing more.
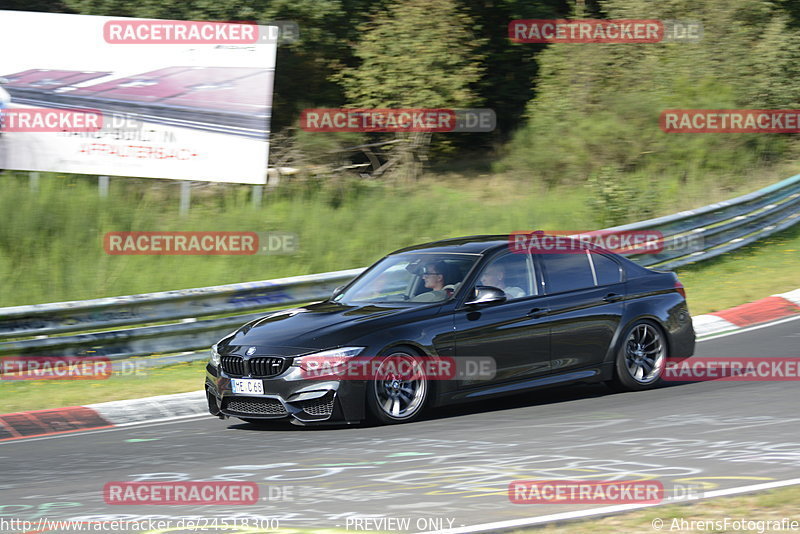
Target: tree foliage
(509, 69)
(416, 53)
(598, 105)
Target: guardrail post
(258, 192)
(186, 196)
(102, 186)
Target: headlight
(331, 359)
(214, 360)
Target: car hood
(302, 330)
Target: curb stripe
(146, 409)
(760, 311)
(791, 296)
(44, 422)
(710, 324)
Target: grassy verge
(17, 396)
(51, 240)
(772, 505)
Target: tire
(640, 358)
(393, 398)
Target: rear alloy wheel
(399, 389)
(641, 358)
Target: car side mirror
(337, 291)
(486, 295)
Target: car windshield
(410, 277)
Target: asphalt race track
(451, 469)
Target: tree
(509, 68)
(329, 30)
(415, 54)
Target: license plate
(247, 385)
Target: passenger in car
(495, 275)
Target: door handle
(538, 312)
(612, 297)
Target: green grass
(27, 395)
(772, 505)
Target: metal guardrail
(191, 305)
(194, 314)
(83, 315)
(721, 227)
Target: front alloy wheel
(399, 389)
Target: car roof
(475, 244)
(483, 244)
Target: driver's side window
(511, 272)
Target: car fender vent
(320, 406)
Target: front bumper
(288, 396)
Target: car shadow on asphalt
(526, 399)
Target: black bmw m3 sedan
(525, 320)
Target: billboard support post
(258, 191)
(186, 196)
(33, 180)
(102, 186)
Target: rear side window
(605, 269)
(566, 272)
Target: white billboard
(176, 99)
